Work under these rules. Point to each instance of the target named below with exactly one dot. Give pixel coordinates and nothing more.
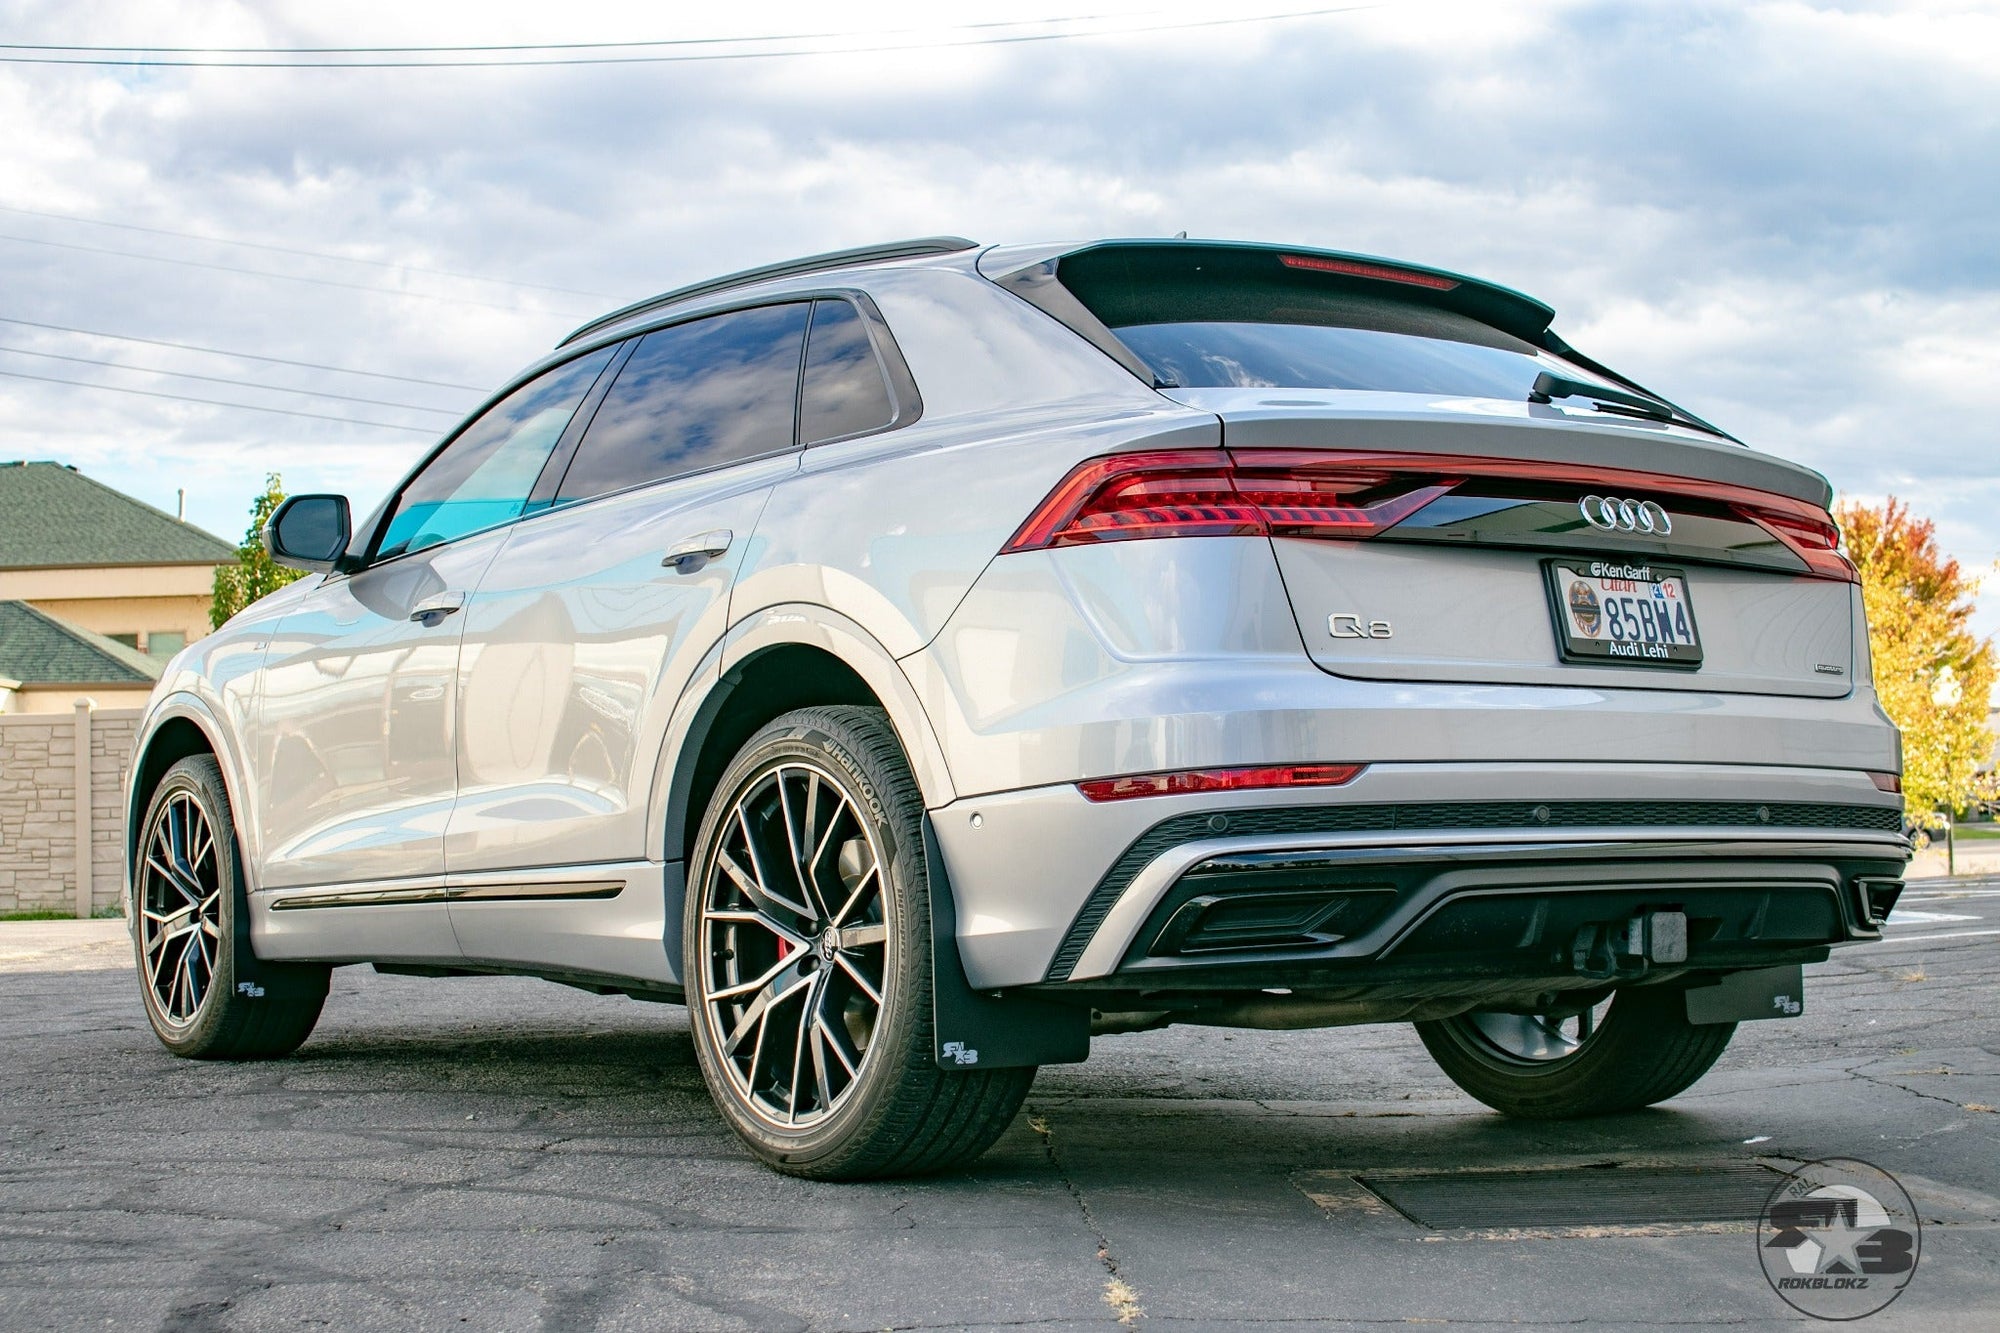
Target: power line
(663, 57)
(259, 272)
(217, 402)
(241, 356)
(218, 379)
(308, 254)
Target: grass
(38, 914)
(1975, 832)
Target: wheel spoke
(856, 878)
(755, 884)
(750, 987)
(796, 841)
(837, 1043)
(863, 935)
(819, 1065)
(868, 987)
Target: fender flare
(187, 706)
(796, 623)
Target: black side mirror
(309, 532)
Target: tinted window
(845, 392)
(483, 477)
(692, 397)
(1321, 356)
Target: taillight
(1355, 268)
(1812, 536)
(1210, 493)
(1354, 495)
(1219, 779)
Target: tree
(1933, 677)
(254, 574)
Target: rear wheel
(808, 960)
(1614, 1055)
(187, 894)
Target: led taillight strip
(1192, 780)
(1300, 493)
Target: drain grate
(1612, 1194)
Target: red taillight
(1208, 493)
(1813, 537)
(1218, 779)
(1355, 495)
(1355, 268)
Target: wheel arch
(782, 658)
(182, 725)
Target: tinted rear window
(845, 392)
(695, 396)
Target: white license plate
(1623, 613)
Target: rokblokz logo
(1839, 1239)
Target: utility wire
(262, 273)
(217, 402)
(242, 356)
(672, 57)
(308, 254)
(218, 379)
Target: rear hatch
(1431, 519)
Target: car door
(357, 753)
(587, 626)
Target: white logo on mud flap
(955, 1052)
(250, 988)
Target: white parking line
(1918, 939)
(1905, 916)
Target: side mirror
(309, 532)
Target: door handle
(432, 610)
(705, 547)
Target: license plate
(1622, 613)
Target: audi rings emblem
(1610, 514)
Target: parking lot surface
(508, 1154)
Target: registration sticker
(1623, 613)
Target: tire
(830, 999)
(187, 901)
(1642, 1051)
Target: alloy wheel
(1538, 1038)
(180, 908)
(795, 944)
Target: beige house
(115, 587)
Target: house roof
(38, 649)
(53, 516)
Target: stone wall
(38, 808)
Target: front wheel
(807, 940)
(187, 893)
(1609, 1056)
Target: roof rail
(866, 254)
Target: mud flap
(981, 1028)
(259, 980)
(1739, 997)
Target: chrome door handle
(705, 547)
(434, 609)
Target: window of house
(165, 642)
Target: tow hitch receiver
(1624, 948)
(1658, 937)
(1738, 997)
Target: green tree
(254, 574)
(1932, 676)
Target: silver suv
(919, 659)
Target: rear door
(586, 629)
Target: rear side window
(845, 392)
(692, 397)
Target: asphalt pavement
(496, 1153)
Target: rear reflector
(1218, 779)
(1887, 782)
(1355, 495)
(1355, 268)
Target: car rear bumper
(1415, 874)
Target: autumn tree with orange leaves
(1932, 675)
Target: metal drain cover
(1607, 1195)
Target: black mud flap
(1738, 997)
(982, 1028)
(259, 980)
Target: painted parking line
(1919, 939)
(1905, 916)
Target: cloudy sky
(1780, 214)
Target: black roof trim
(866, 254)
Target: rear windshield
(1270, 355)
(1200, 316)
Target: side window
(484, 476)
(845, 391)
(694, 396)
